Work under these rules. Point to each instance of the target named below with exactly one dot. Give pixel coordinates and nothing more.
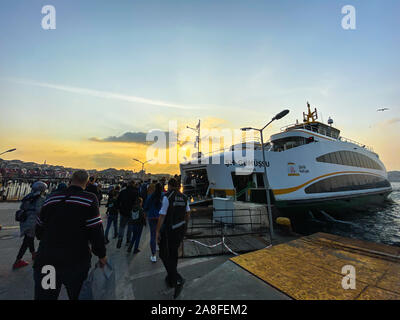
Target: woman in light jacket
(31, 205)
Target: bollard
(285, 223)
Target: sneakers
(106, 241)
(119, 243)
(153, 259)
(179, 287)
(136, 251)
(19, 264)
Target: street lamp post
(197, 129)
(266, 183)
(143, 163)
(11, 150)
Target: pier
(293, 268)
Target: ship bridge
(310, 130)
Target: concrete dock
(136, 276)
(294, 268)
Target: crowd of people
(69, 226)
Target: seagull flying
(383, 109)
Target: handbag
(21, 215)
(135, 215)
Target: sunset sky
(85, 94)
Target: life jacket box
(223, 210)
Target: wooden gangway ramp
(310, 268)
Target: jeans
(28, 242)
(153, 228)
(112, 219)
(72, 278)
(136, 231)
(123, 221)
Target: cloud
(105, 94)
(129, 137)
(393, 121)
(136, 137)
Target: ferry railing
(310, 128)
(326, 133)
(343, 139)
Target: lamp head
(281, 114)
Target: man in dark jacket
(68, 223)
(93, 188)
(126, 200)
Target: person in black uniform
(174, 215)
(67, 224)
(125, 202)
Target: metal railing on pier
(225, 231)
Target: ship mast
(310, 115)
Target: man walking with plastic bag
(68, 223)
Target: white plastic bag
(100, 284)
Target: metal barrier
(224, 226)
(15, 189)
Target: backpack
(22, 214)
(137, 215)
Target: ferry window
(353, 159)
(347, 182)
(350, 158)
(345, 158)
(331, 158)
(370, 164)
(335, 157)
(339, 157)
(287, 143)
(364, 162)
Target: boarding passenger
(152, 208)
(171, 226)
(112, 213)
(69, 228)
(93, 188)
(136, 223)
(126, 200)
(30, 208)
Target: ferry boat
(308, 164)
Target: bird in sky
(383, 109)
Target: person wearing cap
(31, 206)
